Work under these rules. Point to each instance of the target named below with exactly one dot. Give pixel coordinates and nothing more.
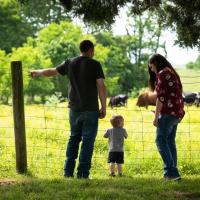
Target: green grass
(137, 188)
(47, 130)
(190, 80)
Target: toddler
(116, 137)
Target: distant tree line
(194, 65)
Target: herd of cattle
(149, 98)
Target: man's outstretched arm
(44, 72)
(102, 95)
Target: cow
(146, 98)
(191, 98)
(118, 100)
(149, 98)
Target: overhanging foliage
(183, 16)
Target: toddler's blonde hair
(116, 120)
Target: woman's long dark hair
(160, 62)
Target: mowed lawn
(139, 188)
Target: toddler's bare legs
(119, 169)
(112, 169)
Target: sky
(176, 55)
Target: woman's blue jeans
(83, 127)
(165, 141)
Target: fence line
(47, 130)
(46, 145)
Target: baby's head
(117, 121)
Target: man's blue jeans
(83, 127)
(165, 140)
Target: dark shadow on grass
(189, 195)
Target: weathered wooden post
(18, 115)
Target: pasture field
(190, 80)
(47, 131)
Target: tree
(41, 13)
(5, 78)
(183, 16)
(33, 58)
(143, 37)
(128, 55)
(194, 65)
(18, 22)
(122, 75)
(14, 28)
(59, 42)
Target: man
(87, 83)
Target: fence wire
(47, 134)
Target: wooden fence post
(18, 116)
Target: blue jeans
(83, 127)
(165, 141)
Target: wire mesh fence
(47, 133)
(7, 146)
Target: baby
(116, 137)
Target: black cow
(192, 98)
(119, 100)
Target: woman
(169, 111)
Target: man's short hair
(85, 45)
